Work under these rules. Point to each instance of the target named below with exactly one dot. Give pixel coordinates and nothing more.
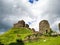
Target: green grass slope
(20, 33)
(46, 41)
(13, 34)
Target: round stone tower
(44, 27)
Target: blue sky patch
(29, 23)
(32, 1)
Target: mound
(13, 34)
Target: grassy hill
(20, 33)
(13, 34)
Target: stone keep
(44, 27)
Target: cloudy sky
(32, 12)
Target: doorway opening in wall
(46, 31)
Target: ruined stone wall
(33, 29)
(21, 23)
(26, 25)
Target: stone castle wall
(21, 23)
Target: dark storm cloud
(10, 12)
(4, 9)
